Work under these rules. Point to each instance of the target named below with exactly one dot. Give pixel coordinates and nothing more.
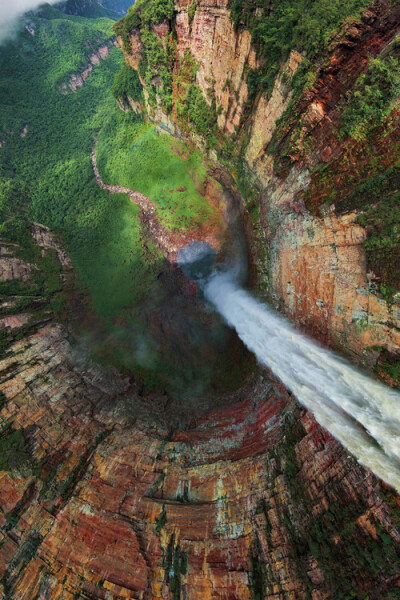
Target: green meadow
(141, 157)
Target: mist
(363, 414)
(11, 10)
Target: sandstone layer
(105, 495)
(101, 500)
(290, 239)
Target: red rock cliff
(309, 251)
(101, 497)
(102, 494)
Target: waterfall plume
(363, 414)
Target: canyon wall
(308, 244)
(102, 496)
(104, 493)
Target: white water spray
(361, 413)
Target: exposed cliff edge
(307, 155)
(103, 497)
(104, 492)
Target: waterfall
(361, 413)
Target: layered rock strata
(104, 496)
(309, 255)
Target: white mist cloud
(10, 10)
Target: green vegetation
(365, 177)
(48, 178)
(42, 294)
(192, 10)
(53, 490)
(155, 67)
(161, 519)
(199, 112)
(191, 106)
(258, 579)
(379, 199)
(143, 14)
(136, 155)
(14, 452)
(390, 364)
(350, 558)
(175, 563)
(47, 175)
(370, 100)
(276, 28)
(279, 26)
(17, 230)
(393, 369)
(52, 163)
(25, 553)
(157, 59)
(127, 83)
(187, 73)
(44, 281)
(368, 186)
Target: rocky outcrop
(129, 104)
(319, 274)
(267, 113)
(221, 54)
(24, 131)
(106, 492)
(316, 268)
(45, 239)
(12, 267)
(102, 500)
(76, 80)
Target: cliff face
(321, 269)
(103, 497)
(221, 54)
(103, 493)
(298, 168)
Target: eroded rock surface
(76, 80)
(309, 254)
(104, 496)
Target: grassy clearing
(131, 154)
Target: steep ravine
(102, 498)
(300, 174)
(102, 494)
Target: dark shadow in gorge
(173, 343)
